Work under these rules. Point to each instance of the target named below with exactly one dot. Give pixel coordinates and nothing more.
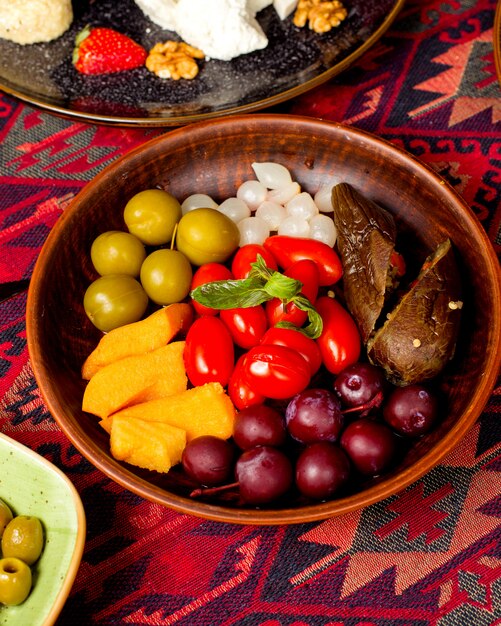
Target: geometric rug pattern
(429, 556)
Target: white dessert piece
(284, 7)
(161, 12)
(223, 29)
(34, 21)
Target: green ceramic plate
(31, 485)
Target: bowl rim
(318, 511)
(81, 526)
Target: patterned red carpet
(430, 556)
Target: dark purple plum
(369, 445)
(208, 460)
(264, 474)
(360, 385)
(411, 410)
(314, 415)
(321, 470)
(259, 425)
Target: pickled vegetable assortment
(165, 241)
(135, 270)
(22, 542)
(302, 369)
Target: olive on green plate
(23, 539)
(15, 581)
(5, 516)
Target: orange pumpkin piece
(204, 410)
(150, 445)
(146, 335)
(136, 379)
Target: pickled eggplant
(419, 336)
(366, 242)
(413, 338)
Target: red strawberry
(105, 51)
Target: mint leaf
(260, 270)
(231, 294)
(276, 284)
(282, 287)
(315, 325)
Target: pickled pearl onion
(253, 230)
(235, 209)
(284, 194)
(197, 201)
(293, 226)
(272, 213)
(252, 192)
(272, 175)
(322, 228)
(302, 205)
(323, 196)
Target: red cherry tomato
(241, 393)
(275, 372)
(299, 342)
(241, 264)
(287, 250)
(208, 273)
(246, 325)
(339, 342)
(306, 272)
(209, 354)
(398, 263)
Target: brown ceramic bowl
(214, 157)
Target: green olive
(151, 215)
(117, 252)
(207, 236)
(15, 581)
(166, 276)
(5, 516)
(114, 300)
(23, 538)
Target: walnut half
(321, 16)
(174, 59)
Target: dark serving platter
(294, 61)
